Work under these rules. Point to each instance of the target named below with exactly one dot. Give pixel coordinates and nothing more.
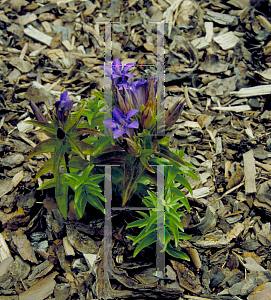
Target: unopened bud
(172, 115)
(132, 147)
(147, 116)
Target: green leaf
(183, 199)
(43, 147)
(131, 237)
(184, 182)
(168, 237)
(71, 125)
(188, 173)
(100, 146)
(61, 189)
(184, 236)
(148, 240)
(77, 162)
(78, 192)
(173, 227)
(80, 131)
(80, 206)
(48, 184)
(151, 220)
(144, 215)
(176, 253)
(164, 141)
(138, 223)
(71, 180)
(166, 153)
(90, 191)
(86, 172)
(61, 192)
(190, 165)
(175, 221)
(153, 198)
(144, 233)
(48, 165)
(49, 128)
(91, 139)
(94, 201)
(148, 203)
(145, 163)
(133, 168)
(74, 146)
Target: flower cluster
(78, 148)
(132, 97)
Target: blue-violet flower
(120, 123)
(63, 107)
(118, 72)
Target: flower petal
(134, 124)
(129, 75)
(117, 133)
(64, 96)
(126, 68)
(117, 66)
(107, 69)
(110, 124)
(131, 113)
(117, 115)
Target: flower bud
(172, 115)
(38, 114)
(123, 103)
(147, 116)
(60, 133)
(132, 147)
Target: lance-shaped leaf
(71, 124)
(183, 199)
(143, 158)
(43, 147)
(48, 165)
(176, 253)
(166, 153)
(77, 162)
(148, 240)
(133, 168)
(74, 146)
(81, 131)
(61, 189)
(49, 128)
(115, 157)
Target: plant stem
(66, 155)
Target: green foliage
(172, 228)
(60, 145)
(86, 189)
(81, 143)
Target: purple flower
(120, 123)
(63, 107)
(139, 93)
(118, 72)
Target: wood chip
(38, 35)
(40, 290)
(18, 178)
(4, 250)
(250, 172)
(239, 108)
(227, 41)
(253, 91)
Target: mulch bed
(217, 56)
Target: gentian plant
(132, 136)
